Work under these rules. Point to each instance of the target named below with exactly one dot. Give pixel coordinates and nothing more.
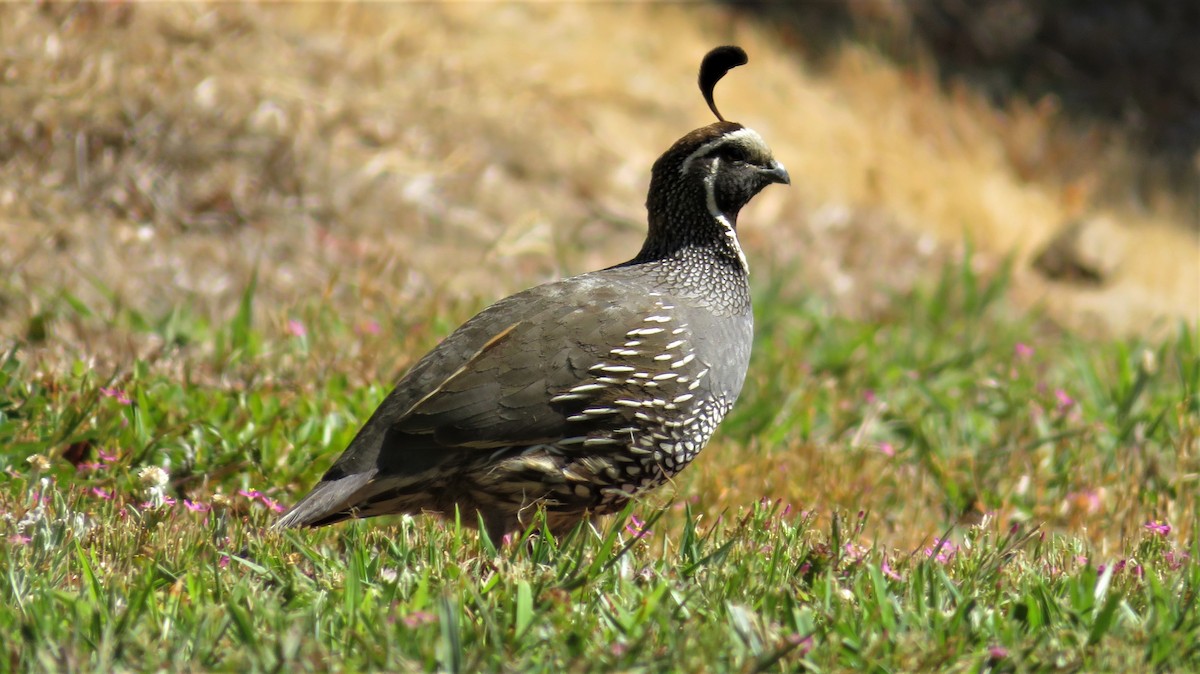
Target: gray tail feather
(330, 501)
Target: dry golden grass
(386, 156)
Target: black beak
(775, 173)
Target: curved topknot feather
(714, 66)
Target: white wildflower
(154, 479)
(39, 463)
(153, 476)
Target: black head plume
(714, 66)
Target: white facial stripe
(710, 198)
(750, 135)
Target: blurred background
(154, 159)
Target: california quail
(577, 395)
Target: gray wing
(503, 379)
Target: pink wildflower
(19, 539)
(887, 449)
(256, 495)
(370, 327)
(1065, 401)
(1156, 527)
(1023, 350)
(888, 571)
(941, 550)
(295, 328)
(106, 457)
(102, 493)
(114, 392)
(637, 527)
(1088, 500)
(870, 397)
(997, 652)
(196, 506)
(223, 562)
(419, 618)
(854, 552)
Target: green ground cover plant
(948, 486)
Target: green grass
(948, 487)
